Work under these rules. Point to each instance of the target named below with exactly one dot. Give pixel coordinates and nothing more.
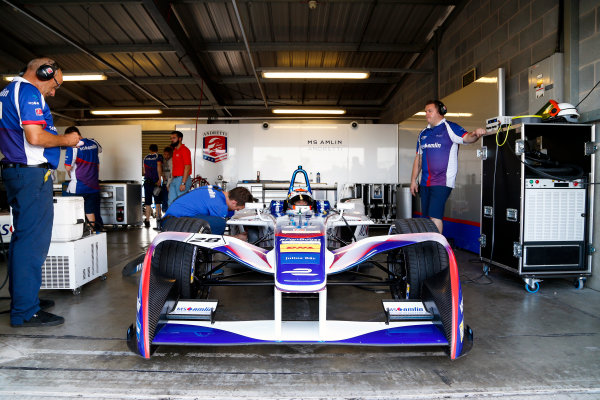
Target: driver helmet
(299, 197)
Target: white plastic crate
(69, 218)
(69, 265)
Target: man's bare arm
(36, 136)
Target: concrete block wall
(513, 34)
(589, 58)
(488, 34)
(589, 75)
(414, 92)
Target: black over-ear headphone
(46, 72)
(441, 107)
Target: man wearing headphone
(31, 148)
(437, 158)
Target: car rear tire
(185, 224)
(422, 260)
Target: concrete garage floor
(535, 346)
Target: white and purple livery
(305, 253)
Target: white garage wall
(340, 153)
(121, 150)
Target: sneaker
(46, 304)
(147, 223)
(41, 318)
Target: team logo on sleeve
(38, 111)
(214, 146)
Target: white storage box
(69, 265)
(69, 218)
(6, 226)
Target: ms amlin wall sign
(214, 146)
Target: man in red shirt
(182, 166)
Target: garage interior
(200, 66)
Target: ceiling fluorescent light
(308, 111)
(315, 74)
(84, 77)
(302, 127)
(125, 112)
(71, 77)
(450, 114)
(486, 79)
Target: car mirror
(345, 206)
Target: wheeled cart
(536, 201)
(121, 203)
(70, 265)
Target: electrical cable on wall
(196, 131)
(590, 92)
(198, 112)
(494, 201)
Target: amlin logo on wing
(193, 309)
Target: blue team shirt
(151, 166)
(205, 200)
(438, 147)
(22, 103)
(84, 164)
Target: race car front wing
(441, 324)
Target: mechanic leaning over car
(437, 158)
(31, 148)
(182, 166)
(211, 204)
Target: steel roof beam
(358, 104)
(407, 2)
(26, 54)
(460, 5)
(47, 3)
(250, 57)
(81, 47)
(312, 46)
(108, 48)
(100, 2)
(176, 36)
(234, 80)
(218, 47)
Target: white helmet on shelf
(563, 112)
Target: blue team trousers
(33, 213)
(217, 224)
(174, 191)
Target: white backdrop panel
(121, 157)
(341, 154)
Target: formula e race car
(303, 247)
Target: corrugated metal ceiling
(177, 55)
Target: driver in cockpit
(299, 198)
